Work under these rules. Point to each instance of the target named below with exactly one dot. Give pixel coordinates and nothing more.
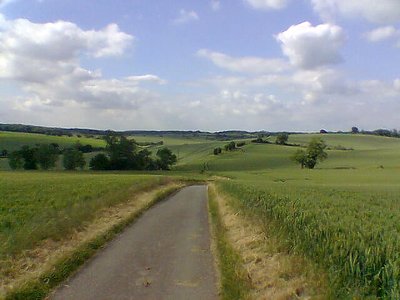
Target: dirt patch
(31, 264)
(274, 273)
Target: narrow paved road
(164, 255)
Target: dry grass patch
(32, 264)
(273, 272)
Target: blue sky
(208, 65)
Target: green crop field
(343, 214)
(39, 205)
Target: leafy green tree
(73, 159)
(121, 152)
(47, 156)
(282, 139)
(354, 130)
(217, 151)
(99, 162)
(15, 160)
(230, 147)
(315, 153)
(166, 158)
(29, 156)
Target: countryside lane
(164, 255)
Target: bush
(99, 162)
(73, 159)
(240, 144)
(230, 147)
(217, 151)
(282, 139)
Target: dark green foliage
(28, 154)
(230, 147)
(46, 156)
(15, 160)
(166, 158)
(315, 152)
(121, 152)
(354, 130)
(240, 144)
(3, 153)
(73, 159)
(217, 151)
(99, 162)
(282, 138)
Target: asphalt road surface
(164, 255)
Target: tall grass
(36, 206)
(353, 234)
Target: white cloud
(186, 16)
(382, 11)
(309, 47)
(267, 4)
(43, 59)
(382, 33)
(244, 64)
(215, 5)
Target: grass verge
(41, 286)
(234, 281)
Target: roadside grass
(349, 230)
(38, 205)
(39, 287)
(234, 281)
(272, 271)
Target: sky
(211, 65)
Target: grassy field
(15, 140)
(39, 205)
(344, 214)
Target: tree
(15, 160)
(47, 156)
(282, 138)
(166, 158)
(73, 159)
(99, 162)
(29, 156)
(230, 147)
(4, 153)
(354, 130)
(315, 153)
(121, 152)
(217, 151)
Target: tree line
(120, 153)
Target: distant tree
(29, 156)
(323, 131)
(300, 157)
(73, 159)
(315, 153)
(282, 138)
(15, 160)
(47, 156)
(143, 160)
(166, 158)
(354, 130)
(217, 151)
(99, 162)
(240, 144)
(121, 152)
(230, 146)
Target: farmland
(343, 215)
(38, 205)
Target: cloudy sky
(298, 65)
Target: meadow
(343, 214)
(38, 205)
